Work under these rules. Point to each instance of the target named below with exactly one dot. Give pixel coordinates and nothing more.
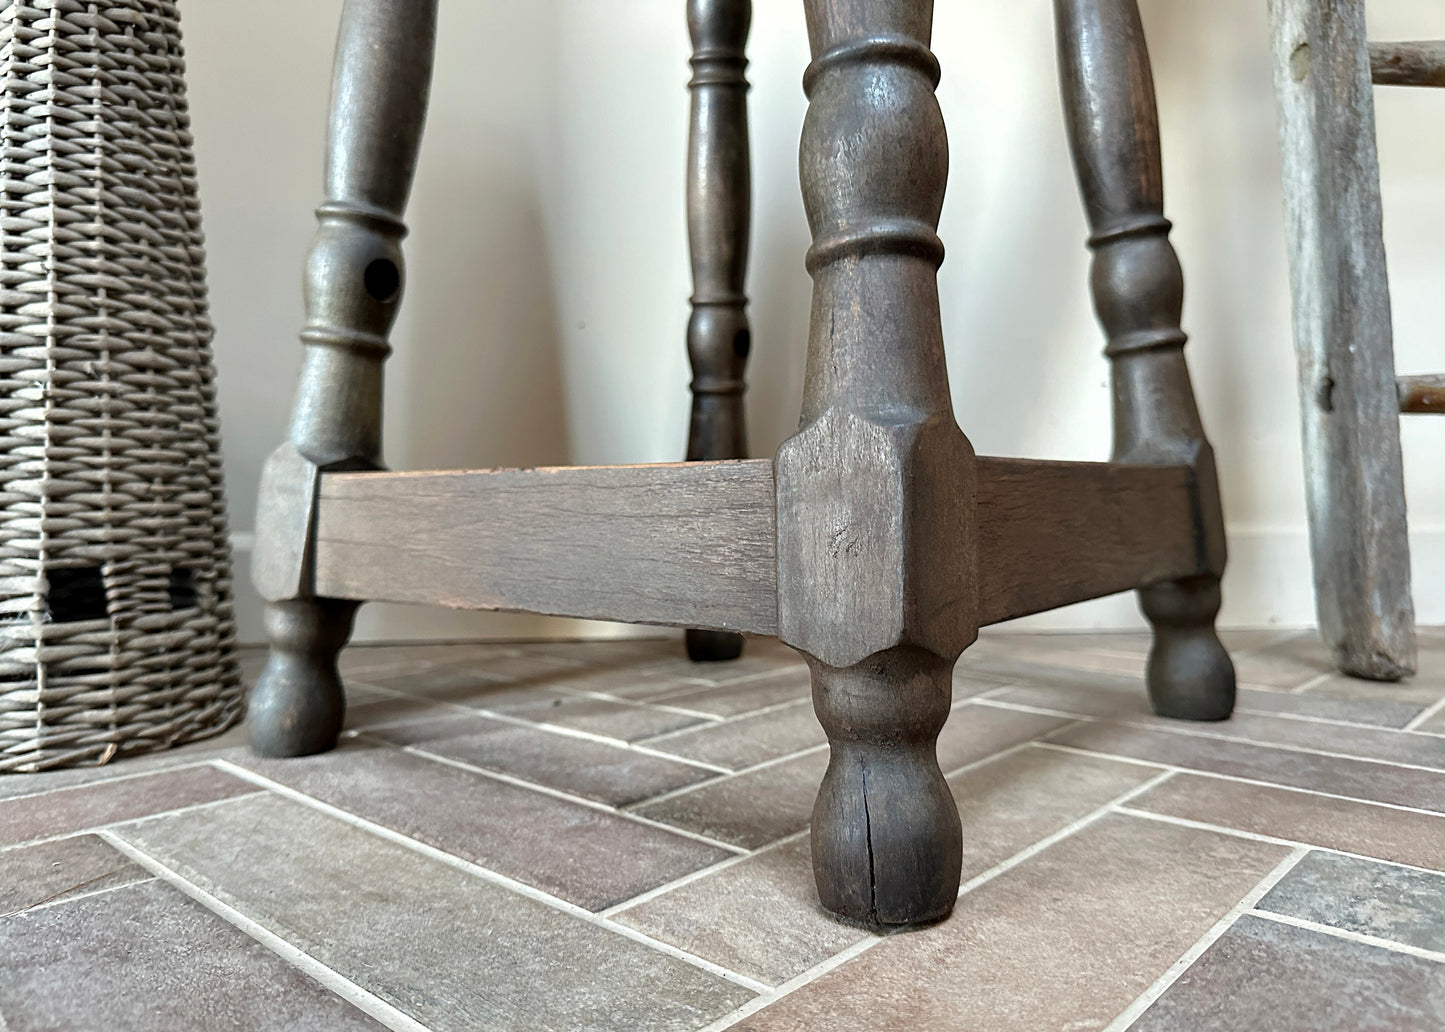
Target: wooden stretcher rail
(686, 544)
(1055, 533)
(1408, 64)
(694, 544)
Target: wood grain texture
(1408, 64)
(876, 551)
(687, 544)
(1054, 533)
(1343, 340)
(1050, 534)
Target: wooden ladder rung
(1408, 64)
(1421, 394)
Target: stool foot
(887, 843)
(297, 704)
(713, 646)
(1190, 675)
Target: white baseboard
(1268, 584)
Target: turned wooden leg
(297, 705)
(718, 209)
(887, 844)
(353, 289)
(876, 528)
(1138, 293)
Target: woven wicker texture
(116, 627)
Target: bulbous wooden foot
(297, 704)
(713, 646)
(1190, 675)
(887, 843)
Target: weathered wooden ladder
(874, 542)
(1350, 397)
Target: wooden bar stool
(875, 542)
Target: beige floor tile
(1066, 940)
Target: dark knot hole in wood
(382, 280)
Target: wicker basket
(116, 628)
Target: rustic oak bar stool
(874, 542)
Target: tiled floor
(574, 836)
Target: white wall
(548, 275)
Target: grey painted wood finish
(1343, 339)
(719, 208)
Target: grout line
(775, 761)
(1309, 718)
(1345, 933)
(677, 883)
(961, 704)
(1426, 714)
(1318, 679)
(486, 874)
(774, 994)
(1125, 721)
(1044, 711)
(722, 772)
(508, 718)
(642, 704)
(1045, 744)
(862, 946)
(731, 861)
(61, 898)
(367, 1002)
(788, 667)
(107, 779)
(1254, 836)
(593, 736)
(1269, 643)
(591, 804)
(1190, 732)
(987, 694)
(96, 828)
(1146, 999)
(1073, 827)
(991, 757)
(987, 698)
(1199, 772)
(735, 718)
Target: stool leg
(876, 551)
(1138, 293)
(718, 207)
(353, 290)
